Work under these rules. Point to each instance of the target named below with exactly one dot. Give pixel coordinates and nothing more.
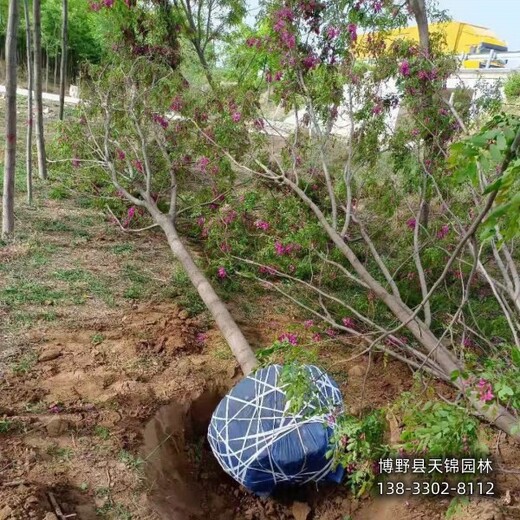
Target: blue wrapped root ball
(262, 446)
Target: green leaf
(495, 152)
(455, 375)
(515, 355)
(501, 142)
(494, 186)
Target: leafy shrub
(438, 429)
(512, 87)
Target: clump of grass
(102, 432)
(131, 461)
(24, 364)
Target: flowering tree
(316, 222)
(321, 67)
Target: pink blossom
(121, 155)
(411, 223)
(352, 30)
(279, 248)
(131, 212)
(262, 224)
(377, 109)
(268, 77)
(332, 32)
(443, 231)
(225, 247)
(378, 6)
(278, 75)
(288, 39)
(404, 68)
(230, 216)
(289, 337)
(95, 6)
(331, 332)
(350, 323)
(285, 13)
(108, 3)
(485, 390)
(265, 269)
(138, 165)
(176, 105)
(201, 338)
(221, 272)
(316, 337)
(253, 42)
(202, 163)
(308, 324)
(259, 124)
(467, 342)
(200, 221)
(311, 61)
(236, 116)
(160, 120)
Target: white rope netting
(260, 445)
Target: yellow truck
(461, 38)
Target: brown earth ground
(107, 385)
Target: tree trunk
(40, 139)
(10, 120)
(225, 322)
(28, 150)
(418, 8)
(46, 71)
(55, 77)
(63, 67)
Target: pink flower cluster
(289, 337)
(129, 216)
(121, 155)
(261, 224)
(270, 78)
(352, 30)
(443, 231)
(222, 273)
(230, 216)
(138, 165)
(404, 68)
(176, 105)
(332, 32)
(485, 391)
(160, 120)
(411, 223)
(236, 117)
(253, 41)
(350, 323)
(202, 163)
(285, 250)
(265, 269)
(201, 338)
(311, 61)
(427, 75)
